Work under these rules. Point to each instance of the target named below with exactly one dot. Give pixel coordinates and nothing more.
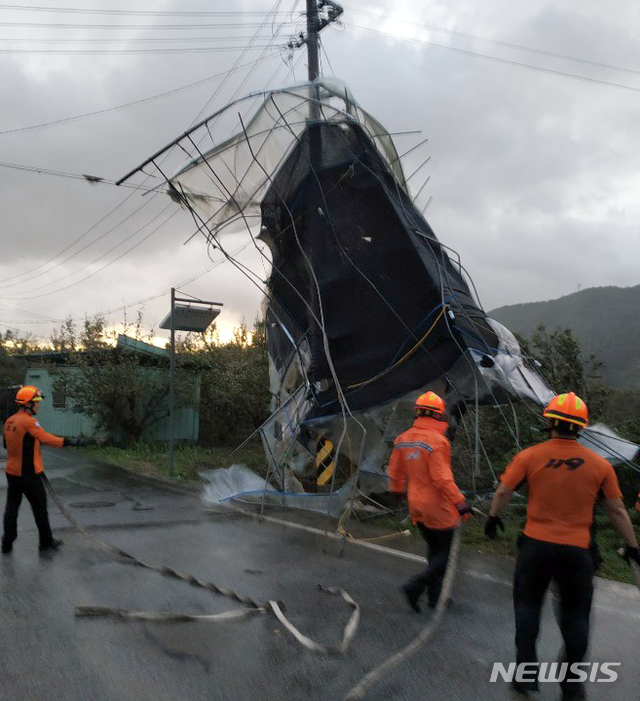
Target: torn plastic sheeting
(228, 482)
(603, 441)
(239, 482)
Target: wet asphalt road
(46, 654)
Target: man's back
(564, 480)
(421, 463)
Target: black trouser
(438, 547)
(571, 568)
(32, 488)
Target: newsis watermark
(527, 672)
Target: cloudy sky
(531, 110)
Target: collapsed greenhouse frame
(365, 307)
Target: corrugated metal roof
(140, 346)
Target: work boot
(53, 544)
(7, 546)
(412, 598)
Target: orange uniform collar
(431, 424)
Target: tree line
(125, 392)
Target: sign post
(186, 314)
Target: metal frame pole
(172, 381)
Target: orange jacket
(420, 464)
(22, 437)
(564, 479)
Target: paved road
(46, 654)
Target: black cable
(32, 277)
(136, 27)
(46, 294)
(497, 42)
(135, 13)
(143, 100)
(99, 52)
(496, 59)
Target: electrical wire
(496, 42)
(496, 59)
(95, 272)
(32, 276)
(135, 13)
(134, 103)
(135, 27)
(182, 283)
(102, 52)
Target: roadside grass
(189, 460)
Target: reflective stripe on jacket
(22, 437)
(420, 464)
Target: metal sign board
(188, 318)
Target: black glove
(464, 508)
(491, 527)
(74, 442)
(631, 553)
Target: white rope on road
(253, 607)
(100, 611)
(372, 677)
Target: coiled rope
(253, 607)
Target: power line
(193, 278)
(137, 13)
(91, 243)
(100, 257)
(476, 54)
(58, 173)
(38, 318)
(92, 179)
(102, 52)
(246, 78)
(95, 272)
(497, 42)
(141, 101)
(136, 27)
(156, 40)
(77, 176)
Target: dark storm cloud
(533, 175)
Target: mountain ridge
(605, 321)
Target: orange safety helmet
(27, 394)
(567, 407)
(431, 402)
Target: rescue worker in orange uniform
(22, 438)
(420, 465)
(564, 479)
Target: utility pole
(312, 40)
(320, 14)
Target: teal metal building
(57, 414)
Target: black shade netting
(355, 260)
